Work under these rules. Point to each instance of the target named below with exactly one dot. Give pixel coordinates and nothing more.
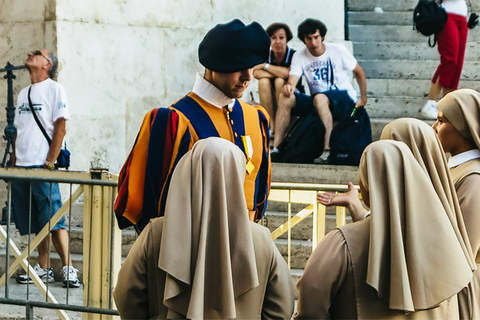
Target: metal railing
(306, 194)
(101, 244)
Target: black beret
(233, 47)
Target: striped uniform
(167, 134)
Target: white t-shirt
(318, 70)
(455, 6)
(50, 103)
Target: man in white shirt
(326, 68)
(48, 100)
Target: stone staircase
(397, 59)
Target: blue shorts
(40, 205)
(341, 105)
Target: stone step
(406, 51)
(395, 107)
(313, 173)
(392, 5)
(405, 69)
(300, 252)
(385, 18)
(389, 33)
(386, 5)
(303, 230)
(382, 88)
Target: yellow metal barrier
(304, 193)
(101, 236)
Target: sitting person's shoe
(70, 278)
(46, 275)
(275, 155)
(430, 110)
(324, 157)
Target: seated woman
(204, 259)
(403, 261)
(458, 128)
(272, 75)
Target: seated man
(326, 67)
(273, 74)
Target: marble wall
(121, 58)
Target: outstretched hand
(347, 199)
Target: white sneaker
(430, 110)
(70, 278)
(44, 274)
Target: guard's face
(279, 41)
(314, 43)
(448, 135)
(232, 84)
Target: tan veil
(415, 259)
(462, 109)
(207, 248)
(428, 151)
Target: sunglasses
(39, 53)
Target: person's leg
(462, 33)
(322, 105)
(60, 241)
(448, 48)
(435, 89)
(44, 253)
(282, 118)
(266, 98)
(279, 83)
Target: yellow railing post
(318, 224)
(341, 216)
(101, 248)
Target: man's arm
(362, 85)
(289, 87)
(59, 130)
(272, 71)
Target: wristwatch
(49, 165)
(266, 66)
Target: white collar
(463, 157)
(210, 93)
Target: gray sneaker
(44, 274)
(324, 157)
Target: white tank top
(455, 6)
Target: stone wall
(120, 59)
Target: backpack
(304, 139)
(429, 19)
(350, 137)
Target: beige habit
(462, 109)
(388, 266)
(205, 259)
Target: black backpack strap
(434, 40)
(36, 118)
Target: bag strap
(434, 40)
(36, 118)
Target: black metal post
(10, 131)
(347, 35)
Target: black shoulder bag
(63, 159)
